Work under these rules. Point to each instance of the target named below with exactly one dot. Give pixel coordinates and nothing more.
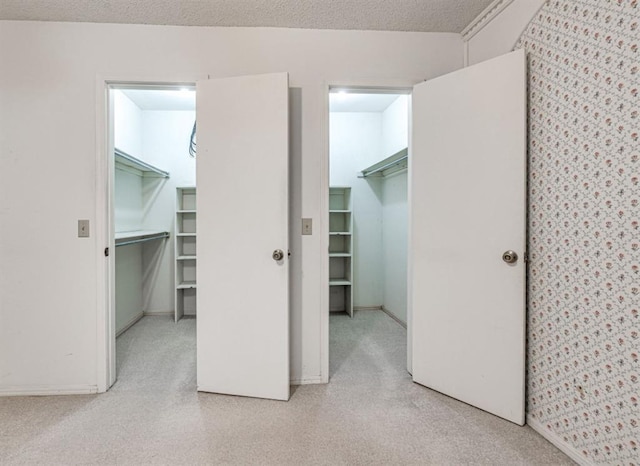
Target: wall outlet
(83, 228)
(307, 226)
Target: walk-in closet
(154, 207)
(367, 215)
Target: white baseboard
(45, 390)
(558, 442)
(367, 308)
(159, 313)
(306, 381)
(394, 317)
(130, 324)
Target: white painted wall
(165, 136)
(359, 140)
(500, 35)
(127, 201)
(395, 126)
(395, 131)
(128, 210)
(127, 133)
(48, 78)
(394, 244)
(129, 282)
(161, 138)
(356, 143)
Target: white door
(242, 181)
(468, 198)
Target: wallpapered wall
(584, 225)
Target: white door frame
(379, 86)
(104, 223)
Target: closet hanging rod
(396, 159)
(130, 161)
(143, 239)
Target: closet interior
(368, 203)
(154, 204)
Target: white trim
(134, 320)
(159, 313)
(484, 18)
(558, 442)
(324, 238)
(307, 381)
(409, 239)
(105, 304)
(382, 308)
(399, 86)
(105, 367)
(46, 390)
(392, 314)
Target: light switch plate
(83, 228)
(307, 226)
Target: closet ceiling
(147, 99)
(384, 15)
(345, 102)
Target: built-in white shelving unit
(185, 252)
(340, 250)
(388, 166)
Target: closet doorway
(153, 199)
(368, 214)
(228, 109)
(467, 206)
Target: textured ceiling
(383, 15)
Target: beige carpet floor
(370, 413)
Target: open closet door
(468, 215)
(243, 277)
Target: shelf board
(123, 238)
(187, 284)
(339, 282)
(185, 234)
(186, 258)
(340, 233)
(339, 254)
(137, 166)
(334, 211)
(395, 163)
(186, 211)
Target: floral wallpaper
(584, 226)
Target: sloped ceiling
(383, 15)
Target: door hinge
(106, 252)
